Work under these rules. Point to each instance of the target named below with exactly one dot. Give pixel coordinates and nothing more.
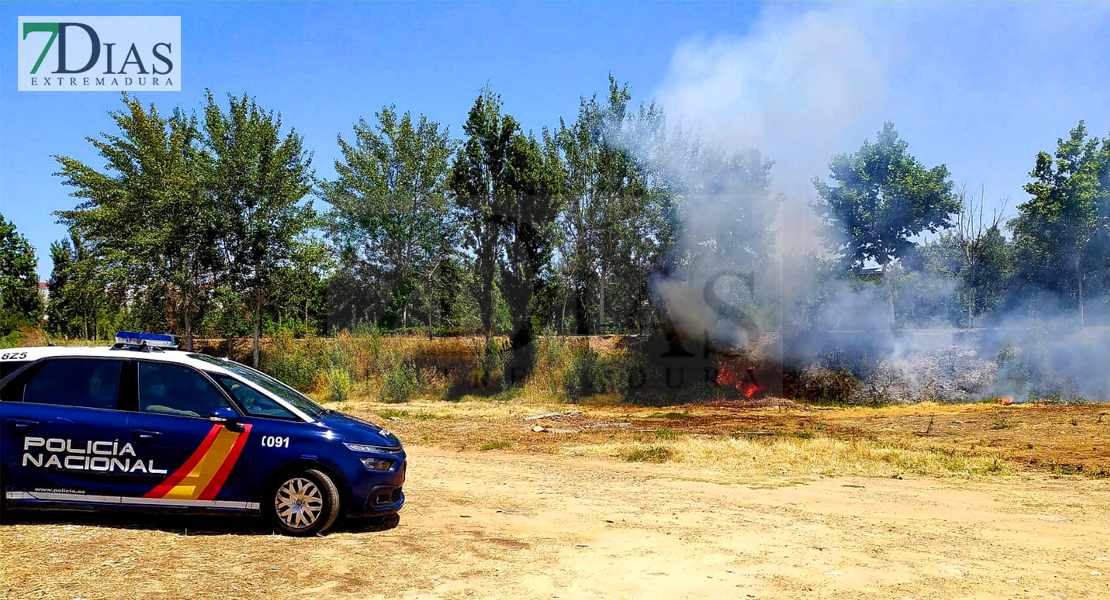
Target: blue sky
(979, 87)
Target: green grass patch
(668, 415)
(495, 445)
(666, 434)
(652, 454)
(404, 414)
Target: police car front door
(65, 440)
(195, 455)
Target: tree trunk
(428, 305)
(601, 307)
(1079, 281)
(970, 305)
(563, 315)
(257, 321)
(889, 294)
(188, 328)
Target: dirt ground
(501, 525)
(523, 520)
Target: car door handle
(146, 434)
(22, 423)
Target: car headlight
(372, 449)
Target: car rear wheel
(303, 504)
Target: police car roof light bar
(145, 341)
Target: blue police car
(139, 426)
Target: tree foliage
(880, 198)
(257, 180)
(182, 210)
(147, 213)
(479, 181)
(203, 223)
(391, 218)
(1062, 232)
(20, 302)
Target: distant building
(44, 291)
(872, 273)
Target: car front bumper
(379, 493)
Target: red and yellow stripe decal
(202, 476)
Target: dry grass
(758, 459)
(926, 440)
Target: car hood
(355, 430)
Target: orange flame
(741, 380)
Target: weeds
(666, 434)
(338, 384)
(408, 416)
(399, 380)
(653, 454)
(495, 445)
(668, 415)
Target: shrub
(399, 379)
(591, 373)
(826, 386)
(338, 384)
(578, 381)
(295, 362)
(487, 364)
(553, 360)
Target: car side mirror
(225, 416)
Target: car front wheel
(303, 504)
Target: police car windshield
(264, 381)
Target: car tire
(302, 504)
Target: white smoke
(802, 86)
(798, 87)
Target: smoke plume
(798, 88)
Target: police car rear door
(64, 437)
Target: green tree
(302, 287)
(147, 212)
(880, 198)
(257, 179)
(613, 228)
(531, 202)
(1061, 232)
(477, 180)
(77, 292)
(390, 209)
(20, 302)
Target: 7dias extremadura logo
(71, 54)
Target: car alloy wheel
(299, 503)
(303, 504)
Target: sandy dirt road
(501, 525)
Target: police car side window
(253, 403)
(11, 391)
(175, 390)
(83, 383)
(10, 366)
